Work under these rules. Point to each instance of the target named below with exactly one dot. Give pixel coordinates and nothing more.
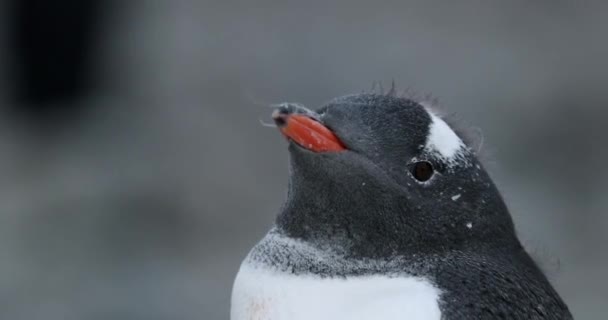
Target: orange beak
(307, 132)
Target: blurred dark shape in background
(51, 47)
(135, 176)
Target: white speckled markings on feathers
(262, 292)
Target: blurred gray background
(137, 195)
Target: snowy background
(138, 196)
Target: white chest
(261, 294)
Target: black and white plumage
(371, 233)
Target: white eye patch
(443, 143)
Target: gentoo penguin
(389, 215)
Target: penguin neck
(372, 220)
(359, 221)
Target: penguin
(389, 215)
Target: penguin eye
(422, 170)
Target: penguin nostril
(279, 116)
(280, 121)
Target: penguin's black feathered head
(376, 175)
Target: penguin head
(376, 175)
